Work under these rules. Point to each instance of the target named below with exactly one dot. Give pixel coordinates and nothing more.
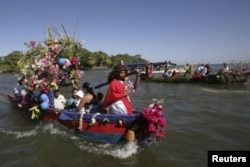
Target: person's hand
(57, 111)
(137, 72)
(127, 90)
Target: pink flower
(32, 44)
(152, 128)
(55, 50)
(162, 122)
(73, 60)
(156, 121)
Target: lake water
(200, 118)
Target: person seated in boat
(71, 102)
(117, 95)
(17, 91)
(89, 99)
(187, 70)
(193, 69)
(79, 96)
(100, 97)
(168, 73)
(202, 70)
(148, 70)
(30, 97)
(224, 69)
(208, 69)
(96, 107)
(174, 74)
(59, 100)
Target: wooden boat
(161, 79)
(44, 68)
(105, 128)
(210, 79)
(156, 68)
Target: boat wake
(121, 151)
(20, 134)
(222, 90)
(118, 151)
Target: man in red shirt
(117, 98)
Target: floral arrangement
(157, 122)
(45, 64)
(75, 77)
(42, 66)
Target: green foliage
(9, 62)
(87, 58)
(126, 58)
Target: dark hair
(100, 96)
(114, 74)
(88, 87)
(56, 90)
(74, 89)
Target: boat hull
(104, 128)
(210, 79)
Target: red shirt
(116, 92)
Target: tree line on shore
(86, 60)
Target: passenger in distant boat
(89, 99)
(225, 68)
(193, 69)
(187, 70)
(196, 76)
(148, 70)
(204, 73)
(71, 102)
(168, 73)
(117, 96)
(59, 100)
(202, 70)
(175, 74)
(208, 69)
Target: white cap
(79, 93)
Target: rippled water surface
(200, 118)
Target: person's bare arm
(85, 99)
(137, 79)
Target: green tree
(126, 59)
(10, 61)
(102, 59)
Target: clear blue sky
(183, 31)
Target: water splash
(118, 151)
(21, 134)
(123, 152)
(52, 129)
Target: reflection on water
(200, 118)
